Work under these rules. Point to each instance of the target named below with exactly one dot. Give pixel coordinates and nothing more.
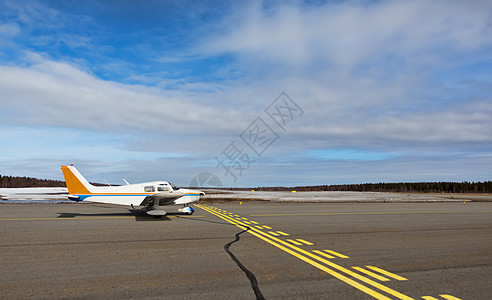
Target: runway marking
(445, 296)
(374, 275)
(336, 254)
(278, 243)
(259, 227)
(247, 222)
(282, 233)
(267, 227)
(374, 213)
(305, 242)
(308, 258)
(389, 274)
(273, 233)
(254, 222)
(294, 242)
(324, 254)
(449, 297)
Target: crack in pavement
(249, 274)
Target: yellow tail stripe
(74, 185)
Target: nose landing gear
(187, 210)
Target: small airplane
(150, 195)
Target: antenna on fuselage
(125, 181)
(106, 182)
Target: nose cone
(195, 193)
(198, 193)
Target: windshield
(174, 187)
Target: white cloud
(369, 76)
(50, 93)
(350, 34)
(9, 30)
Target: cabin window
(162, 188)
(149, 189)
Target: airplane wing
(164, 198)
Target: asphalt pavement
(249, 251)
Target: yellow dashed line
(378, 277)
(259, 227)
(273, 233)
(294, 242)
(254, 222)
(305, 242)
(282, 233)
(337, 254)
(276, 242)
(449, 297)
(305, 256)
(324, 254)
(389, 274)
(267, 227)
(429, 298)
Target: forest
(399, 187)
(23, 182)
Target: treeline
(23, 182)
(400, 187)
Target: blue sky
(378, 90)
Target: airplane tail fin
(76, 183)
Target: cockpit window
(162, 188)
(174, 187)
(149, 189)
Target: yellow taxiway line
(315, 258)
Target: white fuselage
(134, 194)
